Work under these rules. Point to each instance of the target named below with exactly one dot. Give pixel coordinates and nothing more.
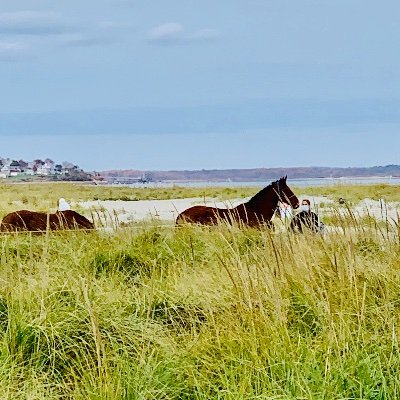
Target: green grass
(45, 195)
(354, 193)
(201, 313)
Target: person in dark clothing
(305, 219)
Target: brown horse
(25, 220)
(258, 210)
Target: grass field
(44, 196)
(199, 313)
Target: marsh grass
(200, 313)
(353, 193)
(155, 312)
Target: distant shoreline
(253, 174)
(307, 182)
(322, 181)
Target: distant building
(58, 169)
(45, 170)
(5, 172)
(29, 170)
(14, 168)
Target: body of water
(293, 182)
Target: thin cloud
(173, 33)
(101, 33)
(11, 51)
(31, 23)
(50, 29)
(81, 40)
(22, 17)
(166, 33)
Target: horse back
(200, 215)
(211, 215)
(24, 220)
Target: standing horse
(25, 220)
(258, 210)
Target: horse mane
(263, 192)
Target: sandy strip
(167, 210)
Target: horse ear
(285, 178)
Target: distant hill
(256, 174)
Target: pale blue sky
(201, 84)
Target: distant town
(49, 169)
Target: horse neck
(264, 203)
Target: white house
(29, 169)
(46, 169)
(5, 172)
(14, 170)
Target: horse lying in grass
(257, 211)
(32, 221)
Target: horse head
(285, 194)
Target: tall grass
(200, 313)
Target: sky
(184, 84)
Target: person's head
(305, 205)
